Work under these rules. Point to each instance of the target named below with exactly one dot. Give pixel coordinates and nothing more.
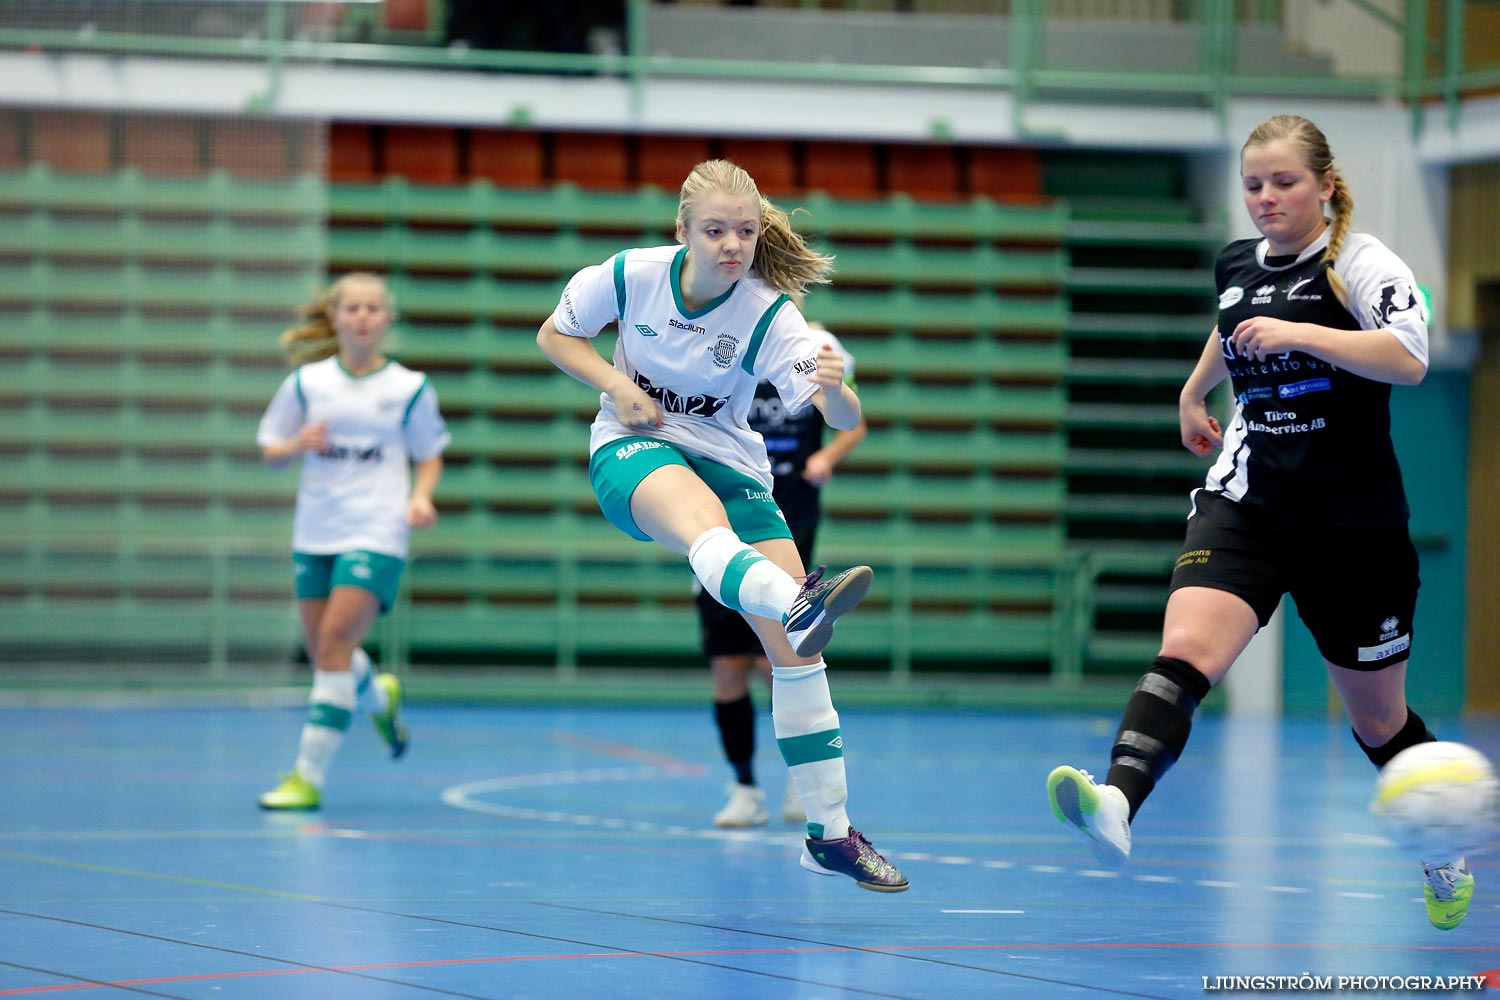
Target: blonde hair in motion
(314, 338)
(782, 256)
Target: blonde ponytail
(314, 338)
(1342, 204)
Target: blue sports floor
(568, 852)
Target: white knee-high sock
(329, 709)
(739, 577)
(369, 696)
(807, 732)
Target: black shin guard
(1155, 727)
(1413, 732)
(736, 720)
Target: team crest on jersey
(725, 350)
(1231, 296)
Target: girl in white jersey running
(359, 421)
(673, 458)
(1316, 323)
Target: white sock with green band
(329, 709)
(739, 577)
(807, 733)
(369, 696)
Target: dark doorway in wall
(1483, 586)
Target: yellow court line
(158, 876)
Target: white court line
(981, 911)
(467, 796)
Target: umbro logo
(645, 330)
(837, 742)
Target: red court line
(627, 751)
(722, 952)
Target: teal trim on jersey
(751, 352)
(386, 364)
(297, 384)
(708, 307)
(734, 575)
(413, 404)
(809, 749)
(620, 282)
(329, 715)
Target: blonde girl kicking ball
(673, 458)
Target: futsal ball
(1439, 801)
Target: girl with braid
(673, 458)
(1315, 325)
(371, 441)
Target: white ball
(1440, 801)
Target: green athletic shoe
(1448, 890)
(294, 792)
(388, 723)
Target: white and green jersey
(353, 493)
(701, 365)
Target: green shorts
(376, 572)
(616, 469)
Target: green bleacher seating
(130, 236)
(217, 286)
(216, 194)
(1140, 287)
(142, 322)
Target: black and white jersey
(1310, 443)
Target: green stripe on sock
(329, 715)
(811, 748)
(734, 575)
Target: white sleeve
(591, 300)
(1383, 293)
(424, 430)
(284, 415)
(789, 355)
(822, 331)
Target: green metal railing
(1432, 65)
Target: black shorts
(724, 631)
(1355, 589)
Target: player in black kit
(1316, 323)
(800, 465)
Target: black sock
(736, 721)
(1155, 727)
(1413, 732)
